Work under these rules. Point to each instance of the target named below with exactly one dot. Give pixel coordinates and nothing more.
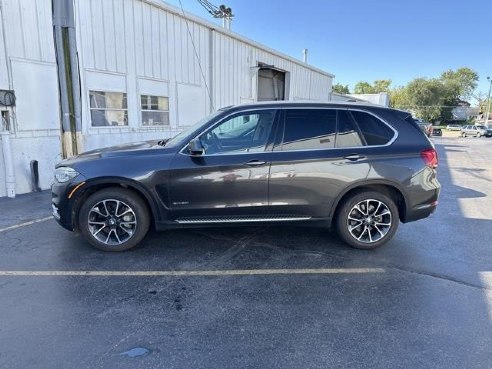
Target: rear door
(320, 154)
(321, 151)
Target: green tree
(341, 89)
(382, 85)
(399, 98)
(379, 85)
(460, 84)
(364, 88)
(426, 99)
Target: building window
(155, 110)
(108, 108)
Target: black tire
(98, 219)
(374, 227)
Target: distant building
(145, 69)
(377, 99)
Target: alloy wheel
(369, 221)
(112, 222)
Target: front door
(230, 179)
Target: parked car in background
(476, 131)
(453, 127)
(359, 168)
(426, 127)
(436, 131)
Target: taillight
(430, 158)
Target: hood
(133, 148)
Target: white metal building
(146, 71)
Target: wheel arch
(394, 191)
(94, 186)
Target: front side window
(375, 132)
(307, 129)
(108, 108)
(244, 132)
(155, 110)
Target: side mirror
(195, 147)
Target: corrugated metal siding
(28, 29)
(158, 36)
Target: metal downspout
(76, 95)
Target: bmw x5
(361, 169)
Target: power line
(197, 56)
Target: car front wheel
(114, 219)
(367, 220)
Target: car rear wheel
(367, 220)
(114, 219)
(463, 134)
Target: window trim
(106, 109)
(268, 147)
(349, 109)
(140, 110)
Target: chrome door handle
(354, 157)
(255, 163)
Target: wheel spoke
(377, 229)
(382, 224)
(105, 208)
(109, 235)
(126, 230)
(129, 223)
(116, 234)
(99, 230)
(117, 207)
(96, 223)
(369, 233)
(360, 236)
(376, 211)
(351, 228)
(354, 219)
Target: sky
(366, 40)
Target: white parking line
(183, 273)
(25, 224)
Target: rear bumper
(420, 212)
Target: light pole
(488, 99)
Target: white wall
(30, 61)
(125, 45)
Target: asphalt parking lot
(262, 297)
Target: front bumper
(63, 197)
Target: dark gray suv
(359, 168)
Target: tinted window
(245, 132)
(348, 135)
(309, 129)
(375, 131)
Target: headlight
(64, 174)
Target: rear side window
(348, 135)
(375, 132)
(309, 129)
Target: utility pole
(219, 12)
(488, 99)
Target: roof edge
(177, 11)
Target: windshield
(183, 134)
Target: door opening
(271, 84)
